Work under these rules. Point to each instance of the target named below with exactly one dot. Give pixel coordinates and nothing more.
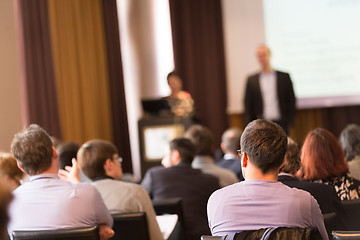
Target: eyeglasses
(239, 152)
(119, 159)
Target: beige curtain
(78, 43)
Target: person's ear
(244, 160)
(175, 157)
(283, 162)
(222, 146)
(108, 165)
(55, 154)
(19, 166)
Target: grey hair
(350, 141)
(231, 139)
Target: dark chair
(172, 206)
(345, 235)
(90, 233)
(352, 211)
(331, 223)
(130, 226)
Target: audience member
(269, 93)
(230, 143)
(322, 160)
(54, 203)
(179, 179)
(5, 199)
(10, 174)
(99, 160)
(350, 143)
(261, 201)
(324, 194)
(204, 160)
(180, 101)
(67, 151)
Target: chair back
(206, 237)
(89, 233)
(130, 226)
(172, 206)
(352, 211)
(331, 223)
(280, 233)
(345, 235)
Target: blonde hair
(8, 166)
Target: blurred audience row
(51, 196)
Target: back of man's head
(230, 140)
(92, 156)
(185, 148)
(33, 149)
(265, 144)
(203, 139)
(67, 151)
(292, 158)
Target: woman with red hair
(322, 160)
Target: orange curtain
(79, 52)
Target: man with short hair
(230, 140)
(100, 162)
(46, 201)
(179, 179)
(261, 201)
(203, 140)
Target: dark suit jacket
(325, 195)
(254, 104)
(193, 186)
(233, 165)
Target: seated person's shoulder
(209, 180)
(85, 189)
(227, 174)
(297, 193)
(156, 169)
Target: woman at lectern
(180, 101)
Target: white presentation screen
(318, 42)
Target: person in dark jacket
(179, 179)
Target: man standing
(261, 201)
(46, 201)
(269, 94)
